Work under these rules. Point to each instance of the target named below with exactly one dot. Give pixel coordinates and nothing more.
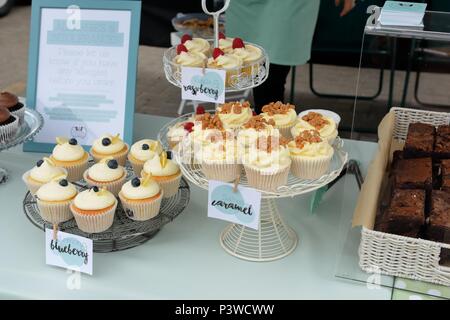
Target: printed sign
(82, 69)
(68, 251)
(241, 206)
(200, 84)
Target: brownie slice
(445, 174)
(439, 220)
(413, 173)
(442, 146)
(405, 214)
(420, 140)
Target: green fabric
(284, 28)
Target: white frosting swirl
(249, 54)
(141, 192)
(234, 120)
(311, 150)
(282, 119)
(268, 162)
(154, 167)
(328, 131)
(197, 45)
(53, 191)
(191, 59)
(248, 136)
(116, 145)
(68, 152)
(177, 132)
(224, 151)
(46, 172)
(143, 155)
(90, 200)
(226, 61)
(102, 173)
(226, 45)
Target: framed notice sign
(82, 69)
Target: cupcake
(195, 44)
(255, 128)
(311, 155)
(249, 54)
(142, 151)
(141, 198)
(165, 171)
(94, 210)
(234, 114)
(267, 163)
(107, 174)
(11, 102)
(178, 132)
(229, 62)
(186, 58)
(109, 146)
(225, 43)
(220, 159)
(284, 116)
(69, 155)
(315, 121)
(8, 125)
(43, 172)
(54, 198)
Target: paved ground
(156, 96)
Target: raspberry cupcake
(229, 62)
(249, 54)
(178, 132)
(164, 171)
(311, 155)
(284, 116)
(186, 58)
(325, 125)
(141, 198)
(255, 128)
(234, 114)
(142, 151)
(54, 198)
(225, 43)
(94, 210)
(11, 102)
(107, 174)
(109, 146)
(69, 155)
(43, 172)
(195, 44)
(267, 164)
(9, 125)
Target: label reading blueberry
(112, 164)
(136, 182)
(106, 141)
(39, 163)
(145, 146)
(63, 183)
(73, 142)
(95, 189)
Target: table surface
(185, 260)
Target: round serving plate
(241, 78)
(125, 233)
(199, 25)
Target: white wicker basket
(403, 256)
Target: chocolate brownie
(420, 140)
(439, 221)
(442, 145)
(445, 174)
(413, 173)
(406, 213)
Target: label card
(69, 251)
(200, 84)
(240, 207)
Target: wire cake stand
(32, 124)
(274, 239)
(125, 233)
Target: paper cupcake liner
(263, 181)
(143, 210)
(19, 114)
(226, 172)
(94, 223)
(121, 156)
(33, 185)
(169, 187)
(112, 186)
(74, 171)
(7, 131)
(55, 212)
(286, 130)
(307, 168)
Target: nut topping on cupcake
(258, 123)
(271, 143)
(307, 136)
(277, 108)
(316, 120)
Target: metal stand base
(274, 239)
(3, 176)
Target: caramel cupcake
(9, 125)
(107, 174)
(94, 210)
(284, 116)
(142, 151)
(311, 155)
(164, 171)
(11, 102)
(256, 127)
(234, 114)
(54, 198)
(43, 172)
(325, 125)
(141, 198)
(109, 146)
(69, 155)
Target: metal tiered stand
(31, 125)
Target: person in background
(284, 29)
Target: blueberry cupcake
(94, 210)
(142, 151)
(69, 155)
(54, 199)
(11, 102)
(9, 125)
(141, 198)
(107, 174)
(165, 171)
(43, 172)
(109, 146)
